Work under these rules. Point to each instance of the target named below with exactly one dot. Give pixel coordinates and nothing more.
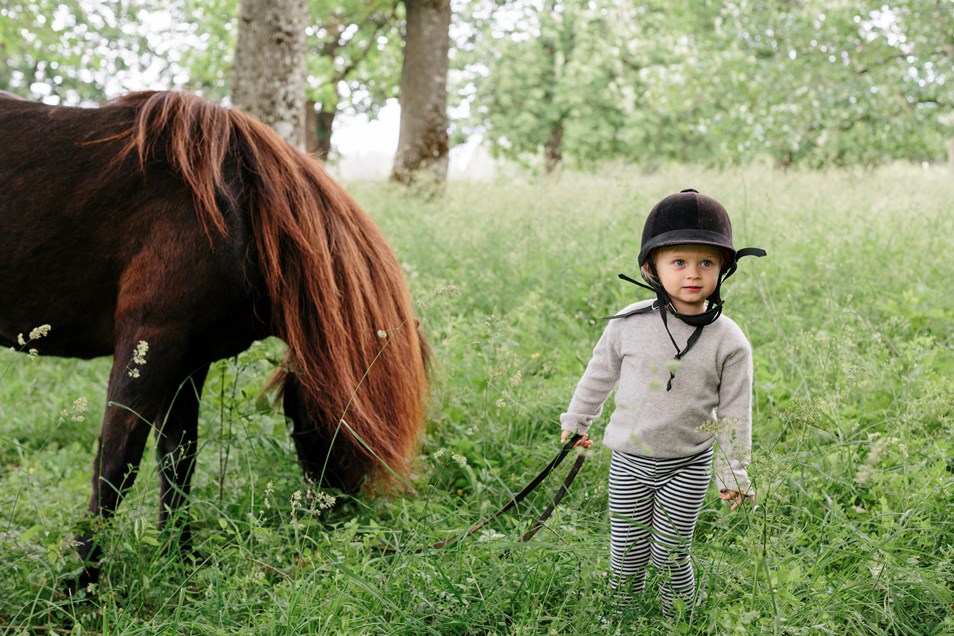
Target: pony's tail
(337, 294)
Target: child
(679, 391)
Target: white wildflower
(324, 501)
(139, 356)
(38, 332)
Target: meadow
(851, 317)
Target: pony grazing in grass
(170, 232)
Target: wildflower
(440, 453)
(80, 406)
(448, 290)
(33, 353)
(38, 332)
(21, 340)
(517, 378)
(864, 474)
(673, 365)
(324, 501)
(269, 490)
(718, 426)
(489, 535)
(382, 334)
(139, 356)
(460, 459)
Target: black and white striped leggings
(654, 505)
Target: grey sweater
(710, 400)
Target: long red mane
(337, 295)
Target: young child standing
(683, 374)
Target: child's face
(689, 273)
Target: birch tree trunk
(268, 79)
(422, 141)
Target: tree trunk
(318, 125)
(269, 72)
(554, 148)
(422, 141)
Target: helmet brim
(686, 237)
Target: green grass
(851, 319)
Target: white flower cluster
(139, 358)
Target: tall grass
(851, 318)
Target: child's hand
(735, 497)
(584, 441)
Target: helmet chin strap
(712, 312)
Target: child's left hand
(735, 497)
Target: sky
(355, 134)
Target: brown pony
(166, 219)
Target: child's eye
(679, 262)
(707, 263)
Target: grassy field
(851, 319)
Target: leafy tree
(82, 50)
(807, 81)
(861, 82)
(74, 51)
(354, 63)
(353, 57)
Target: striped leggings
(654, 505)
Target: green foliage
(353, 51)
(78, 52)
(851, 320)
(72, 51)
(807, 83)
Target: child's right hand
(584, 441)
(735, 497)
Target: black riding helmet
(687, 217)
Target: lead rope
(520, 496)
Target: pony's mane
(337, 292)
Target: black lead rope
(520, 496)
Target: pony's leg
(134, 402)
(176, 440)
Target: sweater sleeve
(598, 381)
(735, 421)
